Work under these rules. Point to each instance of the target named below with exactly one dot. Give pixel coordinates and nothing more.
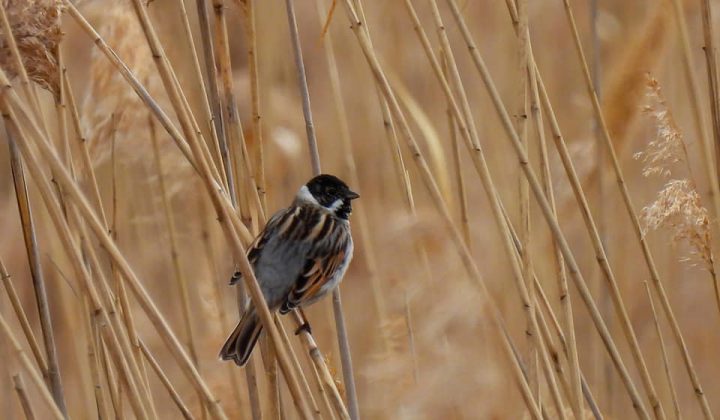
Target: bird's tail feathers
(239, 345)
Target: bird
(301, 255)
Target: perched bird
(301, 255)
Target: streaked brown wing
(327, 256)
(279, 222)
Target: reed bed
(536, 235)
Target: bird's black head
(330, 192)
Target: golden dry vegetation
(153, 142)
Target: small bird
(302, 254)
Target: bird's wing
(325, 258)
(281, 220)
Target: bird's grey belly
(277, 270)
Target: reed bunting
(301, 255)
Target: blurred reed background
(451, 311)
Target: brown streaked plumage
(301, 254)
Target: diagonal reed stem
(342, 335)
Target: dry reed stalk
(340, 325)
(666, 361)
(90, 174)
(83, 206)
(564, 294)
(296, 365)
(477, 154)
(39, 35)
(135, 359)
(214, 101)
(174, 395)
(547, 212)
(231, 117)
(22, 318)
(28, 365)
(178, 274)
(169, 219)
(462, 199)
(206, 216)
(630, 208)
(175, 92)
(139, 384)
(694, 92)
(521, 127)
(225, 214)
(214, 137)
(360, 215)
(519, 270)
(85, 152)
(575, 374)
(240, 172)
(22, 395)
(248, 8)
(429, 182)
(114, 390)
(213, 90)
(319, 364)
(52, 369)
(556, 356)
(401, 171)
(275, 409)
(94, 361)
(712, 74)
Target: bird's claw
(304, 327)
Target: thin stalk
(429, 181)
(360, 215)
(298, 368)
(174, 395)
(564, 292)
(135, 359)
(174, 249)
(327, 380)
(178, 273)
(401, 172)
(712, 74)
(175, 93)
(342, 335)
(93, 360)
(22, 395)
(22, 318)
(83, 206)
(34, 375)
(214, 136)
(547, 213)
(233, 127)
(230, 222)
(205, 215)
(115, 390)
(248, 7)
(459, 178)
(654, 275)
(213, 92)
(666, 360)
(473, 144)
(521, 127)
(36, 272)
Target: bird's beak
(352, 195)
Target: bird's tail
(241, 342)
